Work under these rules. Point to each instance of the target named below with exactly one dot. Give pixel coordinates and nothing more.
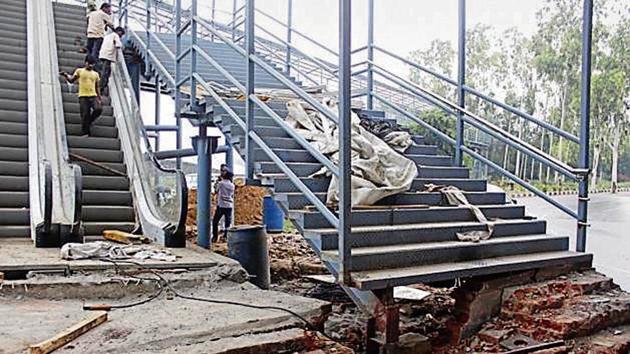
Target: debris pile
(248, 207)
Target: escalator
(124, 186)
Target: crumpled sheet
(378, 171)
(388, 131)
(102, 249)
(455, 197)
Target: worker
(225, 204)
(97, 24)
(108, 55)
(90, 104)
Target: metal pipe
(585, 112)
(250, 157)
(161, 128)
(193, 54)
(214, 9)
(461, 80)
(234, 19)
(287, 67)
(147, 62)
(345, 166)
(178, 74)
(157, 111)
(370, 55)
(524, 115)
(203, 188)
(229, 155)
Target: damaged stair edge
(108, 285)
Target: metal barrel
(273, 216)
(248, 245)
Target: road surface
(608, 237)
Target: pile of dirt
(248, 207)
(291, 257)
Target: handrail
(484, 125)
(55, 207)
(329, 215)
(293, 30)
(163, 220)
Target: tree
(439, 57)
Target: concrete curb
(566, 192)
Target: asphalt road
(608, 237)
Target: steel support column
(370, 56)
(193, 54)
(178, 76)
(229, 156)
(287, 65)
(157, 111)
(585, 123)
(126, 14)
(345, 72)
(249, 105)
(204, 166)
(213, 12)
(461, 81)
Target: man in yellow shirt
(90, 105)
(97, 23)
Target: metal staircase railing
(411, 99)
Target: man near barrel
(225, 204)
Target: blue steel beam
(250, 162)
(193, 54)
(204, 166)
(370, 55)
(585, 111)
(345, 167)
(287, 67)
(461, 81)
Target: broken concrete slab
(160, 325)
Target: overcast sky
(400, 26)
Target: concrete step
(14, 216)
(14, 168)
(263, 131)
(17, 66)
(103, 120)
(372, 236)
(431, 253)
(13, 105)
(14, 200)
(11, 231)
(13, 116)
(73, 107)
(314, 219)
(15, 76)
(14, 183)
(107, 213)
(295, 201)
(379, 279)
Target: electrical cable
(168, 284)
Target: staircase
(14, 170)
(107, 199)
(412, 238)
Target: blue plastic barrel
(248, 245)
(273, 216)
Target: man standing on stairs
(108, 55)
(90, 105)
(97, 23)
(225, 204)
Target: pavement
(608, 237)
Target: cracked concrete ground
(41, 306)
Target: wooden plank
(69, 334)
(124, 237)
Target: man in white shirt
(225, 204)
(97, 23)
(108, 54)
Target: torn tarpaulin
(454, 196)
(101, 249)
(378, 170)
